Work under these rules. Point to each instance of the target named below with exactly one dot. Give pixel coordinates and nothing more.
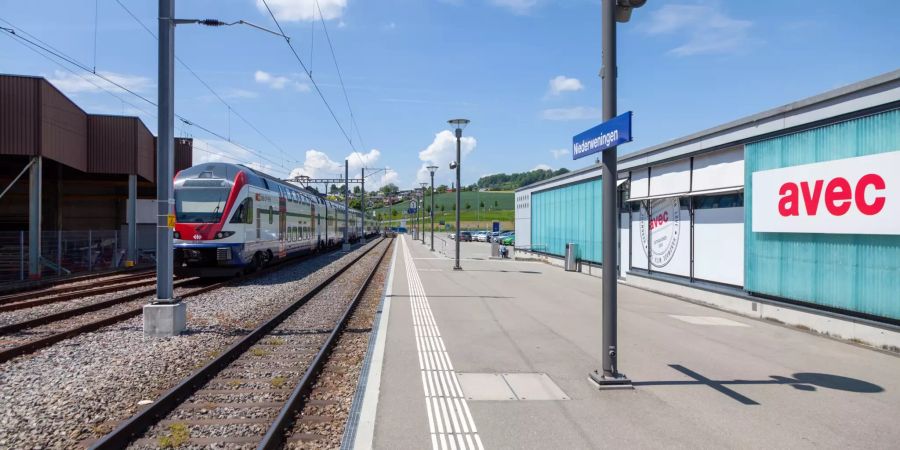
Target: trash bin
(495, 249)
(571, 262)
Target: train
(230, 218)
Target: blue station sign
(613, 132)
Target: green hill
(481, 202)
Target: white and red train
(231, 218)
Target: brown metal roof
(38, 119)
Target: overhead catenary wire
(315, 85)
(17, 33)
(203, 82)
(340, 77)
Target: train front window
(200, 204)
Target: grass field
(493, 201)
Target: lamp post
(432, 169)
(460, 124)
(424, 187)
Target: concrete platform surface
(498, 356)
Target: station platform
(498, 355)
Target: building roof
(880, 90)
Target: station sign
(613, 132)
(496, 227)
(858, 195)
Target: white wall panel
(624, 242)
(671, 178)
(640, 183)
(719, 245)
(670, 237)
(638, 240)
(721, 169)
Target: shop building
(796, 207)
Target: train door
(282, 222)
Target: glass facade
(851, 272)
(570, 213)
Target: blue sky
(524, 71)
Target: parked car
(465, 236)
(481, 236)
(499, 237)
(509, 240)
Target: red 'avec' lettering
(838, 198)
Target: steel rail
(50, 287)
(145, 419)
(275, 436)
(69, 313)
(46, 341)
(75, 293)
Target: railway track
(75, 289)
(251, 394)
(30, 335)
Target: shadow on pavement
(804, 381)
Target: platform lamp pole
(432, 169)
(424, 188)
(460, 124)
(612, 11)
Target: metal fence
(69, 252)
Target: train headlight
(176, 235)
(224, 234)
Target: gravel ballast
(79, 389)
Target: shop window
(735, 200)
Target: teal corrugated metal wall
(852, 272)
(570, 213)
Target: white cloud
(559, 152)
(706, 28)
(303, 10)
(574, 113)
(441, 152)
(74, 84)
(542, 167)
(279, 81)
(561, 84)
(273, 81)
(318, 164)
(516, 6)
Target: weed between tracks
(178, 436)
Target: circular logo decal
(662, 229)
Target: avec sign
(846, 196)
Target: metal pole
(165, 149)
(458, 197)
(35, 182)
(346, 204)
(132, 220)
(609, 205)
(21, 256)
(432, 210)
(90, 248)
(362, 205)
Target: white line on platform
(365, 431)
(444, 399)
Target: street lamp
(460, 124)
(422, 204)
(432, 169)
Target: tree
(333, 190)
(390, 189)
(442, 208)
(481, 205)
(357, 190)
(442, 189)
(468, 206)
(496, 204)
(454, 207)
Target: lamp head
(432, 169)
(453, 165)
(624, 7)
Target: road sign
(496, 228)
(412, 204)
(411, 211)
(613, 132)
